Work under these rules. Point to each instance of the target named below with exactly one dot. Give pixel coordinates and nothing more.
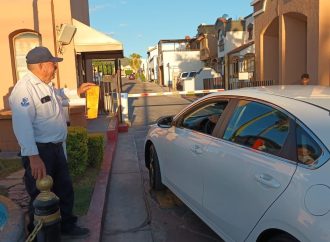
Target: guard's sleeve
(66, 95)
(23, 115)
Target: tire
(155, 178)
(283, 238)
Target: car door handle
(267, 180)
(196, 149)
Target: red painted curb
(122, 128)
(94, 217)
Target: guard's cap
(41, 54)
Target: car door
(246, 169)
(186, 149)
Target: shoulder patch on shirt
(25, 102)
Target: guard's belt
(49, 144)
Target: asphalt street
(133, 211)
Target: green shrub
(128, 72)
(77, 150)
(142, 77)
(95, 149)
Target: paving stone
(10, 182)
(16, 175)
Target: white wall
(250, 49)
(232, 40)
(144, 66)
(180, 61)
(152, 62)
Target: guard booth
(91, 44)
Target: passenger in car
(304, 79)
(305, 154)
(259, 144)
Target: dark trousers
(57, 167)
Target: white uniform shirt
(37, 114)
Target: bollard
(47, 212)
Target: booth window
(22, 43)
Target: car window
(258, 126)
(308, 151)
(184, 74)
(204, 118)
(192, 74)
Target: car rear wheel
(283, 238)
(155, 178)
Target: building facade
(292, 37)
(63, 27)
(206, 36)
(175, 56)
(152, 65)
(236, 49)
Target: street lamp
(169, 77)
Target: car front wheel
(154, 170)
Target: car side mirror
(165, 122)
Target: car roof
(310, 104)
(314, 95)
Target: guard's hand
(84, 87)
(38, 169)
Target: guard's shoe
(76, 232)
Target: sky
(140, 24)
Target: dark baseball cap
(41, 54)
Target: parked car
(196, 82)
(183, 76)
(252, 163)
(131, 76)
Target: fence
(218, 83)
(106, 99)
(241, 84)
(213, 83)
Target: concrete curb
(94, 216)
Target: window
(205, 118)
(22, 43)
(221, 45)
(248, 63)
(258, 126)
(308, 151)
(250, 30)
(234, 67)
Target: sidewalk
(126, 216)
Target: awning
(87, 39)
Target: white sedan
(253, 163)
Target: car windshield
(184, 74)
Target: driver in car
(213, 121)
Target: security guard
(40, 127)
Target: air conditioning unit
(66, 33)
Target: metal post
(47, 212)
(169, 77)
(226, 72)
(118, 82)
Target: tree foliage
(135, 62)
